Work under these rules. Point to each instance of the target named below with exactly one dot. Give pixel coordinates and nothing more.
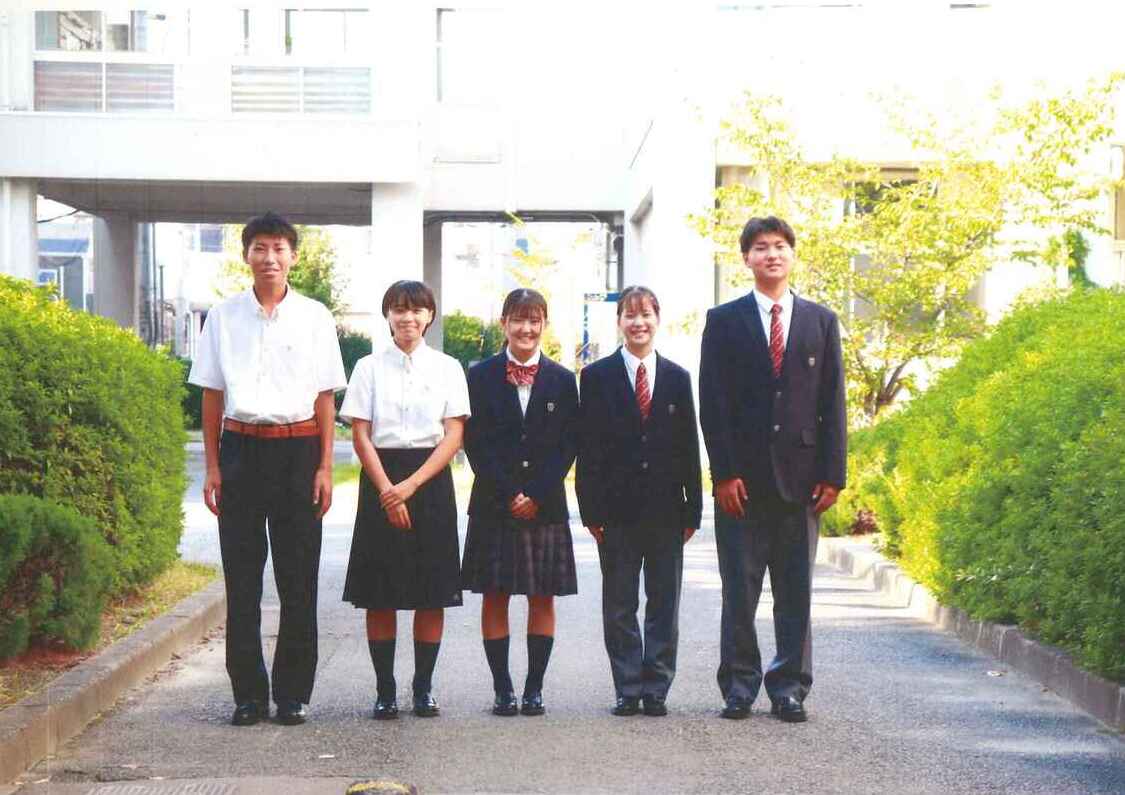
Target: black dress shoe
(789, 710)
(654, 706)
(532, 704)
(291, 713)
(506, 705)
(425, 706)
(249, 713)
(385, 710)
(626, 706)
(736, 709)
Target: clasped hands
(732, 496)
(393, 498)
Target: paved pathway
(897, 707)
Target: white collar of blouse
(530, 362)
(398, 355)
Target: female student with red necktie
(520, 441)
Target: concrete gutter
(1051, 667)
(35, 727)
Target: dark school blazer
(512, 453)
(783, 435)
(632, 472)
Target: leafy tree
(897, 258)
(535, 270)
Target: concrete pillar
(396, 237)
(16, 60)
(19, 239)
(431, 275)
(117, 269)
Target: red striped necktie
(777, 340)
(644, 398)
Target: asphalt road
(897, 707)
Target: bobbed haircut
(409, 294)
(760, 226)
(524, 302)
(634, 297)
(270, 224)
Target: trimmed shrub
(91, 418)
(192, 403)
(1001, 487)
(469, 339)
(54, 575)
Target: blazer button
(644, 465)
(644, 438)
(777, 395)
(776, 428)
(525, 464)
(523, 437)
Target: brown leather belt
(271, 431)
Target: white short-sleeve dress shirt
(524, 391)
(270, 368)
(765, 306)
(631, 364)
(405, 397)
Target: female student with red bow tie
(521, 441)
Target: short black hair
(410, 294)
(760, 226)
(270, 224)
(636, 295)
(524, 301)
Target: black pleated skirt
(519, 557)
(412, 569)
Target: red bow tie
(520, 374)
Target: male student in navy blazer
(772, 409)
(639, 492)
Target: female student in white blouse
(408, 406)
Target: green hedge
(91, 418)
(54, 574)
(1002, 487)
(469, 339)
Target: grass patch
(346, 473)
(30, 672)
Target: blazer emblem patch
(550, 406)
(812, 361)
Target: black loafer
(506, 705)
(249, 713)
(291, 713)
(532, 704)
(425, 706)
(385, 710)
(626, 706)
(736, 709)
(789, 710)
(654, 706)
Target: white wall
(19, 241)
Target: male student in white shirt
(269, 363)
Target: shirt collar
(260, 311)
(765, 303)
(631, 361)
(396, 354)
(532, 361)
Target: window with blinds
(293, 89)
(72, 87)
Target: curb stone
(34, 728)
(1051, 667)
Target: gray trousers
(641, 666)
(780, 537)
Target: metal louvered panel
(337, 90)
(140, 87)
(265, 89)
(71, 87)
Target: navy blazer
(632, 472)
(783, 435)
(512, 452)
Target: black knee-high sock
(496, 650)
(538, 653)
(383, 658)
(425, 658)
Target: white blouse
(406, 397)
(524, 390)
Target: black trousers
(267, 485)
(780, 537)
(641, 665)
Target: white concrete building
(402, 116)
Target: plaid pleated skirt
(414, 569)
(518, 557)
